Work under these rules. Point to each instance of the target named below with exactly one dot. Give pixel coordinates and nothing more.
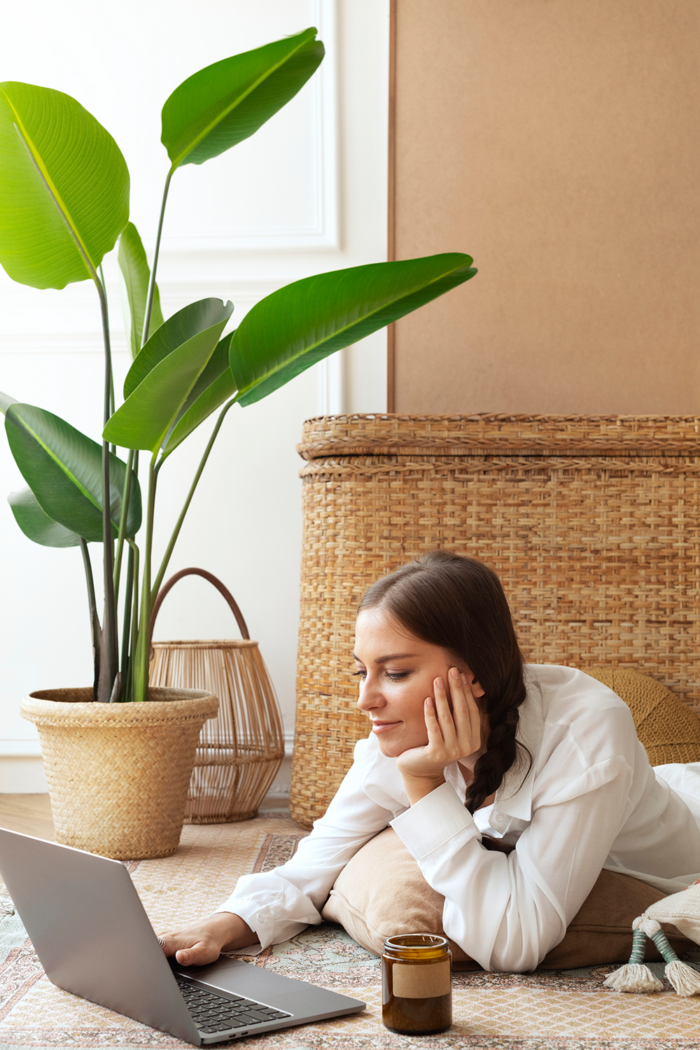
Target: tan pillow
(668, 728)
(381, 893)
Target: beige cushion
(381, 893)
(668, 728)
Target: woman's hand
(452, 735)
(204, 941)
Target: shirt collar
(514, 796)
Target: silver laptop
(93, 937)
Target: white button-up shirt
(590, 800)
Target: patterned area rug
(568, 1010)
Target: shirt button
(498, 821)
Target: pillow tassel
(683, 978)
(634, 976)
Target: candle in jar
(416, 984)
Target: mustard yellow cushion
(668, 728)
(382, 893)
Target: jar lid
(417, 944)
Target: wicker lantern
(240, 750)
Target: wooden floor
(31, 814)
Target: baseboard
(280, 785)
(22, 775)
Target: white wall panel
(306, 194)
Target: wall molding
(324, 232)
(331, 385)
(174, 295)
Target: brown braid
(458, 603)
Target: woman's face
(397, 672)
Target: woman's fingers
(453, 724)
(460, 707)
(198, 955)
(190, 948)
(466, 714)
(203, 941)
(435, 738)
(444, 714)
(475, 722)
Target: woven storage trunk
(118, 773)
(241, 750)
(592, 523)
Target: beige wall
(558, 142)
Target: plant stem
(143, 644)
(130, 621)
(134, 625)
(94, 618)
(126, 624)
(152, 281)
(126, 496)
(135, 664)
(111, 407)
(111, 376)
(135, 680)
(195, 481)
(144, 339)
(109, 660)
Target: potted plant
(64, 206)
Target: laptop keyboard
(213, 1013)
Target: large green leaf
(186, 323)
(163, 376)
(296, 326)
(228, 101)
(65, 187)
(214, 386)
(37, 525)
(63, 468)
(136, 273)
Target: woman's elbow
(516, 953)
(514, 960)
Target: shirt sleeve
(508, 910)
(278, 904)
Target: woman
(470, 749)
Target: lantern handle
(233, 605)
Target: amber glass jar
(416, 984)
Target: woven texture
(593, 526)
(118, 773)
(668, 728)
(240, 750)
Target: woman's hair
(458, 603)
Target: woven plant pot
(118, 773)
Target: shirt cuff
(272, 907)
(438, 818)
